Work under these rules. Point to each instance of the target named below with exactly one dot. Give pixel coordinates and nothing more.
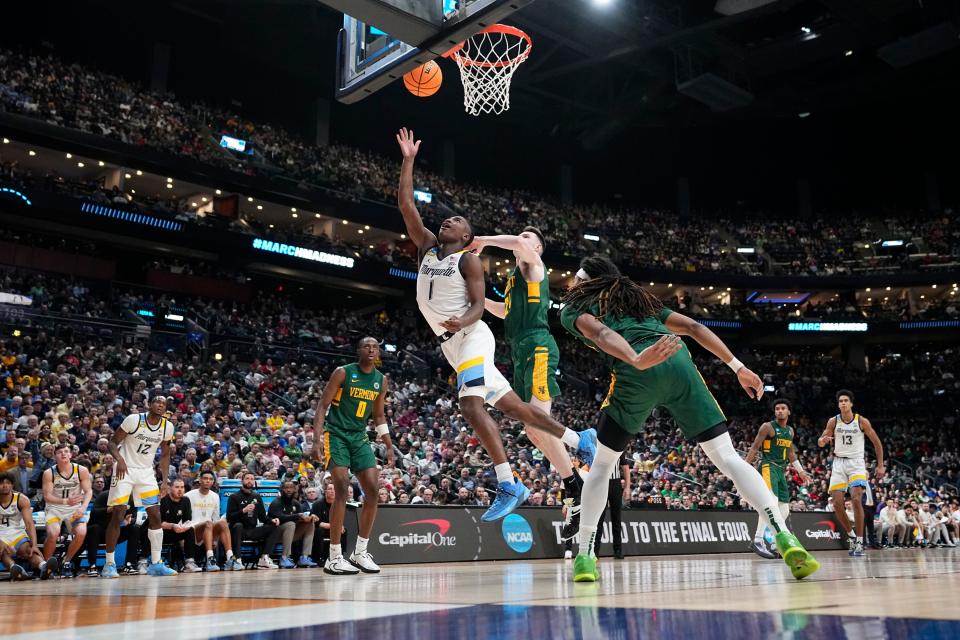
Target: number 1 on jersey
(430, 293)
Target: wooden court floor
(891, 594)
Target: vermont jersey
(139, 448)
(776, 449)
(848, 438)
(525, 306)
(353, 404)
(441, 288)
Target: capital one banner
(412, 534)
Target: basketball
(425, 80)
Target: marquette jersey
(11, 519)
(525, 306)
(777, 449)
(354, 401)
(204, 508)
(139, 448)
(441, 288)
(69, 486)
(848, 438)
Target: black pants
(96, 535)
(269, 534)
(615, 500)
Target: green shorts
(535, 361)
(776, 479)
(347, 449)
(675, 385)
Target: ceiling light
(218, 192)
(367, 227)
(6, 141)
(293, 215)
(169, 186)
(193, 204)
(403, 236)
(888, 288)
(293, 209)
(249, 199)
(100, 163)
(204, 198)
(271, 226)
(127, 176)
(81, 165)
(139, 173)
(934, 286)
(803, 114)
(259, 207)
(169, 179)
(316, 215)
(651, 284)
(848, 52)
(345, 222)
(868, 289)
(805, 29)
(32, 152)
(371, 246)
(360, 231)
(69, 156)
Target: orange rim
(494, 28)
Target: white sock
(361, 545)
(587, 534)
(156, 544)
(748, 480)
(209, 554)
(335, 551)
(784, 510)
(229, 555)
(593, 495)
(761, 527)
(571, 438)
(504, 474)
(110, 558)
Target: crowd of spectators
(69, 95)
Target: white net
(487, 62)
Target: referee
(618, 490)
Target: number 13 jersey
(139, 448)
(848, 438)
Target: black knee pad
(716, 430)
(611, 435)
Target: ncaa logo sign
(517, 533)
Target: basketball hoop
(487, 61)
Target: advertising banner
(447, 534)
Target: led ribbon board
(302, 253)
(828, 326)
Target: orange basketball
(425, 80)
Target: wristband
(583, 275)
(383, 429)
(735, 365)
(796, 465)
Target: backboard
(383, 39)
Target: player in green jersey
(533, 350)
(652, 367)
(353, 393)
(774, 444)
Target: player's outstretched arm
(525, 248)
(827, 434)
(612, 343)
(765, 431)
(498, 309)
(421, 236)
(684, 326)
(877, 445)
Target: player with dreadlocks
(651, 367)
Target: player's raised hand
(750, 382)
(658, 352)
(408, 147)
(477, 246)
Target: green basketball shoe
(585, 569)
(801, 563)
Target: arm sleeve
(664, 314)
(568, 318)
(261, 511)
